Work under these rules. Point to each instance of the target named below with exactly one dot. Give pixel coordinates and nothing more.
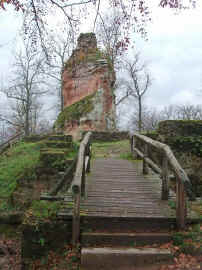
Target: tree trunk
(27, 115)
(27, 123)
(61, 95)
(139, 114)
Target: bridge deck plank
(117, 188)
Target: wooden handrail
(78, 184)
(183, 182)
(14, 138)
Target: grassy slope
(119, 149)
(20, 161)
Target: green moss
(75, 111)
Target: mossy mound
(189, 144)
(75, 111)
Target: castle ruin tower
(88, 80)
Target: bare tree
(152, 116)
(169, 112)
(182, 112)
(189, 112)
(111, 35)
(150, 119)
(137, 83)
(60, 49)
(4, 133)
(25, 87)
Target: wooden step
(123, 239)
(118, 258)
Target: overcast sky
(173, 51)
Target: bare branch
(76, 4)
(97, 12)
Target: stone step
(123, 238)
(107, 258)
(58, 137)
(58, 144)
(55, 158)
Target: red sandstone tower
(88, 81)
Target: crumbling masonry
(88, 80)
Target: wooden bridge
(117, 188)
(128, 190)
(116, 198)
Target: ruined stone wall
(185, 139)
(88, 81)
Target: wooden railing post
(145, 165)
(89, 155)
(83, 178)
(133, 146)
(78, 186)
(165, 179)
(183, 184)
(76, 219)
(181, 207)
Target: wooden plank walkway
(117, 188)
